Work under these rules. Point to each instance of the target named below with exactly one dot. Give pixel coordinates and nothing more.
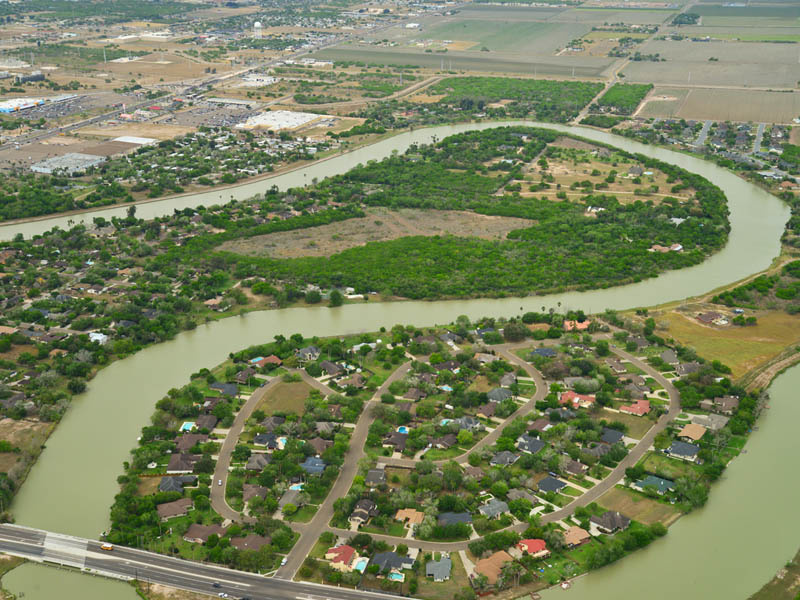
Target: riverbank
(784, 585)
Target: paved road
(128, 564)
(703, 135)
(759, 137)
(310, 533)
(218, 502)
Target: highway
(128, 564)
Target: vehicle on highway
(216, 584)
(219, 482)
(283, 561)
(106, 546)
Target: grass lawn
(664, 466)
(638, 507)
(437, 454)
(286, 396)
(304, 514)
(571, 491)
(741, 348)
(319, 549)
(445, 590)
(395, 529)
(403, 477)
(637, 426)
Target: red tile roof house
(534, 547)
(576, 325)
(577, 400)
(342, 558)
(638, 408)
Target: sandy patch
(151, 130)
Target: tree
(465, 437)
(336, 298)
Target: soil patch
(638, 508)
(379, 225)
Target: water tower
(257, 30)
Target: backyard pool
(296, 486)
(396, 577)
(361, 564)
(188, 426)
(444, 422)
(402, 429)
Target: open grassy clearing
(664, 466)
(637, 426)
(741, 348)
(599, 16)
(637, 507)
(286, 396)
(381, 224)
(732, 105)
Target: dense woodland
(463, 172)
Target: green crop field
(494, 35)
(788, 11)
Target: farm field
(741, 348)
(637, 507)
(490, 62)
(722, 105)
(750, 74)
(599, 16)
(381, 224)
(725, 52)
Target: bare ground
(380, 224)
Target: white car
(219, 481)
(283, 561)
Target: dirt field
(637, 426)
(148, 485)
(151, 130)
(26, 435)
(638, 508)
(286, 396)
(741, 348)
(795, 135)
(162, 592)
(381, 225)
(722, 105)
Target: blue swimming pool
(187, 426)
(296, 486)
(396, 576)
(444, 422)
(361, 564)
(402, 429)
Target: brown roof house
(178, 508)
(492, 566)
(199, 534)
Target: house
(692, 432)
(440, 569)
(451, 518)
(635, 171)
(182, 463)
(541, 425)
(326, 427)
(576, 468)
(638, 408)
(577, 325)
(504, 459)
(290, 497)
(270, 424)
(331, 368)
(415, 394)
(576, 400)
(226, 389)
(499, 394)
(487, 410)
(712, 421)
(244, 376)
(468, 423)
(551, 484)
(308, 354)
(250, 542)
(100, 338)
(319, 445)
(610, 521)
(258, 461)
(661, 485)
(484, 358)
(409, 515)
(251, 490)
(209, 403)
(446, 441)
(529, 444)
(571, 382)
(637, 391)
(683, 450)
(396, 440)
(199, 534)
(670, 357)
(269, 360)
(176, 484)
(709, 317)
(187, 441)
(687, 368)
(725, 405)
(492, 567)
(534, 547)
(270, 440)
(544, 352)
(640, 342)
(616, 366)
(391, 561)
(520, 494)
(508, 379)
(313, 465)
(207, 422)
(561, 414)
(611, 436)
(493, 509)
(474, 472)
(363, 511)
(375, 478)
(342, 558)
(178, 508)
(575, 536)
(356, 380)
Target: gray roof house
(683, 450)
(226, 389)
(387, 561)
(468, 423)
(375, 477)
(499, 394)
(493, 509)
(530, 444)
(611, 521)
(451, 518)
(313, 465)
(258, 461)
(504, 458)
(508, 379)
(308, 353)
(176, 484)
(290, 497)
(551, 484)
(611, 436)
(439, 569)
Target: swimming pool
(256, 359)
(402, 429)
(444, 422)
(281, 443)
(361, 564)
(187, 426)
(396, 577)
(296, 486)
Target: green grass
(571, 491)
(395, 529)
(664, 466)
(495, 35)
(304, 514)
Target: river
(84, 455)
